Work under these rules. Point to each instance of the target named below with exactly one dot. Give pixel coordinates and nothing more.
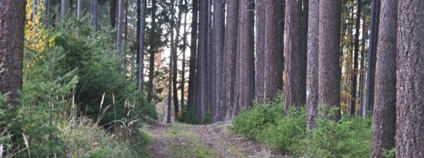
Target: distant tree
(152, 50)
(410, 79)
(95, 14)
(218, 37)
(246, 69)
(210, 60)
(183, 7)
(355, 59)
(372, 51)
(78, 9)
(12, 23)
(120, 26)
(62, 10)
(273, 49)
(175, 40)
(112, 12)
(295, 83)
(230, 60)
(362, 69)
(384, 114)
(329, 70)
(140, 39)
(312, 65)
(260, 51)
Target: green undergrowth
(285, 131)
(76, 100)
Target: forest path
(178, 140)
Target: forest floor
(178, 140)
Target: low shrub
(285, 131)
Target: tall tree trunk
(140, 39)
(312, 62)
(372, 51)
(210, 60)
(201, 98)
(246, 72)
(294, 57)
(384, 123)
(355, 60)
(183, 62)
(193, 56)
(169, 111)
(126, 21)
(230, 50)
(174, 49)
(62, 10)
(12, 23)
(218, 37)
(79, 9)
(120, 25)
(95, 14)
(260, 51)
(273, 49)
(152, 51)
(362, 74)
(410, 79)
(112, 13)
(329, 70)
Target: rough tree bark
(385, 82)
(260, 51)
(218, 37)
(410, 79)
(312, 65)
(246, 69)
(329, 70)
(230, 51)
(201, 98)
(273, 49)
(294, 56)
(12, 23)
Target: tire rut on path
(213, 140)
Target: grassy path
(181, 140)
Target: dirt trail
(213, 140)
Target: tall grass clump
(285, 131)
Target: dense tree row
(238, 56)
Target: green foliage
(350, 137)
(189, 116)
(285, 131)
(286, 134)
(70, 72)
(208, 118)
(101, 73)
(390, 153)
(254, 121)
